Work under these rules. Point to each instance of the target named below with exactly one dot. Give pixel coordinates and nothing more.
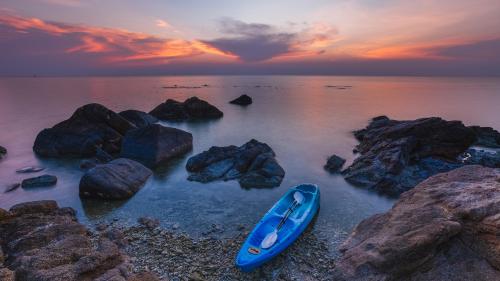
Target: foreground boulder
(397, 155)
(118, 179)
(155, 144)
(446, 228)
(253, 164)
(242, 100)
(91, 126)
(138, 118)
(191, 109)
(3, 151)
(44, 242)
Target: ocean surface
(302, 119)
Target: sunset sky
(364, 37)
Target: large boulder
(446, 228)
(118, 179)
(191, 109)
(253, 164)
(242, 100)
(155, 144)
(138, 118)
(44, 242)
(3, 151)
(91, 126)
(397, 155)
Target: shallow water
(301, 119)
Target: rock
(12, 187)
(45, 242)
(192, 108)
(446, 228)
(118, 179)
(242, 100)
(41, 181)
(481, 157)
(486, 136)
(3, 151)
(149, 222)
(252, 163)
(138, 118)
(30, 169)
(334, 163)
(91, 126)
(391, 150)
(155, 144)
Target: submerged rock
(138, 118)
(334, 163)
(91, 126)
(155, 144)
(252, 163)
(3, 151)
(191, 109)
(41, 181)
(446, 228)
(242, 100)
(118, 179)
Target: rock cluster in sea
(191, 109)
(253, 164)
(242, 100)
(446, 228)
(3, 151)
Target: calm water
(302, 120)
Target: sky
(176, 37)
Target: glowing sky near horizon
(363, 37)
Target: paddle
(272, 236)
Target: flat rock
(191, 109)
(155, 144)
(3, 151)
(334, 163)
(29, 169)
(118, 179)
(242, 100)
(41, 181)
(138, 118)
(446, 228)
(253, 164)
(12, 186)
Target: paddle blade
(299, 198)
(269, 240)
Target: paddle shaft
(287, 214)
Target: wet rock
(191, 109)
(41, 181)
(118, 179)
(155, 144)
(12, 187)
(242, 100)
(391, 151)
(30, 169)
(481, 157)
(486, 136)
(446, 228)
(3, 151)
(138, 118)
(334, 163)
(91, 126)
(149, 222)
(252, 163)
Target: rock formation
(242, 100)
(334, 163)
(191, 109)
(138, 118)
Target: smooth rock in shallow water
(155, 144)
(91, 126)
(446, 228)
(334, 163)
(29, 169)
(138, 118)
(242, 100)
(41, 181)
(12, 187)
(3, 151)
(118, 179)
(192, 108)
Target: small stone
(29, 169)
(41, 181)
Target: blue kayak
(254, 253)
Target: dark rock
(252, 163)
(3, 151)
(446, 228)
(155, 145)
(87, 164)
(148, 222)
(118, 179)
(138, 118)
(12, 187)
(334, 163)
(90, 127)
(242, 100)
(393, 150)
(192, 108)
(486, 136)
(101, 157)
(481, 157)
(29, 169)
(41, 181)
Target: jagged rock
(91, 126)
(118, 179)
(446, 228)
(481, 157)
(41, 181)
(192, 108)
(252, 163)
(334, 163)
(138, 118)
(486, 136)
(45, 242)
(242, 100)
(3, 151)
(155, 144)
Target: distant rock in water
(118, 179)
(191, 109)
(138, 118)
(155, 144)
(446, 228)
(41, 181)
(242, 100)
(253, 164)
(3, 151)
(334, 163)
(91, 126)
